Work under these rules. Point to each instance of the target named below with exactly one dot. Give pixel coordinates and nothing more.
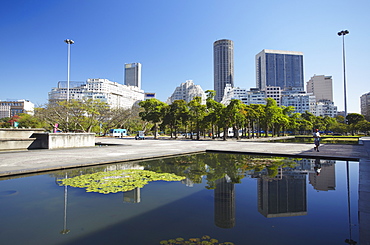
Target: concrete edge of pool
(123, 150)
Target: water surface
(232, 198)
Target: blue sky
(173, 39)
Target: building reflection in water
(132, 196)
(224, 202)
(363, 202)
(282, 197)
(323, 177)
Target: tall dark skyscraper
(279, 68)
(223, 66)
(224, 203)
(133, 74)
(282, 198)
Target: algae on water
(118, 180)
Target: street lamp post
(69, 42)
(343, 33)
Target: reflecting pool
(219, 198)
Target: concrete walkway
(117, 150)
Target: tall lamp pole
(69, 42)
(343, 33)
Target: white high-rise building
(325, 108)
(300, 101)
(273, 92)
(133, 75)
(114, 94)
(321, 86)
(248, 97)
(187, 91)
(223, 66)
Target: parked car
(140, 135)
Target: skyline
(173, 40)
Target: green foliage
(353, 118)
(197, 112)
(28, 121)
(204, 240)
(214, 117)
(88, 116)
(152, 112)
(216, 166)
(5, 122)
(74, 115)
(118, 180)
(363, 126)
(175, 115)
(233, 116)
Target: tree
(214, 110)
(233, 117)
(4, 122)
(353, 119)
(152, 112)
(87, 113)
(29, 121)
(272, 114)
(74, 115)
(256, 116)
(363, 126)
(340, 118)
(123, 118)
(197, 112)
(174, 115)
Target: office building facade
(133, 75)
(248, 97)
(300, 101)
(273, 92)
(223, 66)
(325, 108)
(365, 105)
(321, 86)
(280, 68)
(15, 107)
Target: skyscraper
(223, 66)
(133, 75)
(365, 105)
(279, 68)
(321, 86)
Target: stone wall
(17, 138)
(36, 138)
(62, 140)
(19, 133)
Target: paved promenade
(126, 149)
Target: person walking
(316, 136)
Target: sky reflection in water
(232, 198)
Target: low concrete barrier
(15, 144)
(17, 138)
(36, 138)
(19, 133)
(62, 140)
